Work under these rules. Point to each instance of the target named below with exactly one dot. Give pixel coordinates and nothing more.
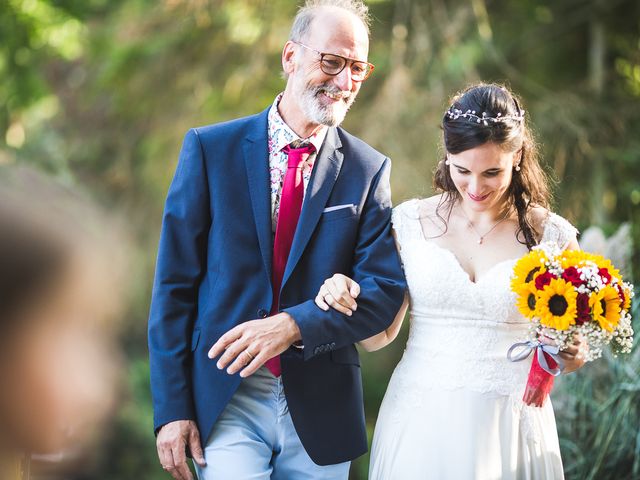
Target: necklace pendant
(480, 240)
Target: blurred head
(57, 359)
(339, 29)
(491, 161)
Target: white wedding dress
(453, 409)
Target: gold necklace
(482, 237)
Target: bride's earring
(447, 162)
(519, 159)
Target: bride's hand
(574, 355)
(338, 292)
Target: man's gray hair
(306, 14)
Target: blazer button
(262, 313)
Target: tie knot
(298, 155)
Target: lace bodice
(461, 330)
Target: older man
(260, 212)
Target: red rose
(604, 273)
(620, 293)
(543, 280)
(572, 276)
(582, 302)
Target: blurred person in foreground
(453, 408)
(260, 211)
(57, 359)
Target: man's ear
(289, 57)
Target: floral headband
(472, 116)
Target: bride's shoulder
(418, 216)
(551, 227)
(429, 205)
(538, 217)
(417, 208)
(404, 214)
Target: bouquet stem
(540, 382)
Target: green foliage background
(99, 94)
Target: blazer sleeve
(376, 268)
(182, 254)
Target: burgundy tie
(290, 207)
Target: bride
(453, 408)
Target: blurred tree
(101, 92)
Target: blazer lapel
(325, 172)
(256, 157)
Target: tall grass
(598, 415)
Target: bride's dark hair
(529, 185)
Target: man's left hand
(249, 345)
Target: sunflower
(575, 258)
(556, 304)
(605, 307)
(527, 299)
(527, 267)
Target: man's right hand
(172, 442)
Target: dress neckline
(466, 274)
(454, 257)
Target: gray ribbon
(541, 348)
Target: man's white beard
(330, 115)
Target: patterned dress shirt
(280, 135)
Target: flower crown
(471, 115)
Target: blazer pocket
(347, 211)
(195, 338)
(347, 355)
(337, 207)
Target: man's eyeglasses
(332, 64)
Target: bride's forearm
(387, 336)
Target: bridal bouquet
(564, 294)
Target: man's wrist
(295, 336)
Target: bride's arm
(573, 245)
(384, 338)
(340, 292)
(574, 355)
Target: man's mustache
(333, 91)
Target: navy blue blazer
(213, 272)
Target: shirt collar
(281, 135)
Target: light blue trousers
(254, 438)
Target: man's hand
(249, 345)
(173, 438)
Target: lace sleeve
(558, 230)
(405, 221)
